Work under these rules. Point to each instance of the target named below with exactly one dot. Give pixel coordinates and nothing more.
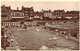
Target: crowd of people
(7, 38)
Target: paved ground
(36, 37)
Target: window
(21, 14)
(30, 18)
(31, 11)
(31, 14)
(26, 14)
(18, 13)
(26, 11)
(14, 13)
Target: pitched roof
(4, 8)
(47, 10)
(25, 8)
(38, 13)
(58, 10)
(72, 12)
(7, 8)
(16, 10)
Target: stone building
(17, 15)
(47, 14)
(28, 13)
(72, 14)
(59, 14)
(5, 13)
(38, 15)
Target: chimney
(32, 7)
(37, 11)
(49, 10)
(3, 5)
(17, 8)
(22, 6)
(42, 10)
(9, 6)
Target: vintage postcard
(34, 25)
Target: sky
(38, 6)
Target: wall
(18, 23)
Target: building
(28, 13)
(17, 15)
(72, 14)
(59, 14)
(38, 15)
(47, 14)
(5, 13)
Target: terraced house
(72, 14)
(5, 13)
(17, 15)
(12, 17)
(38, 15)
(28, 13)
(59, 14)
(47, 14)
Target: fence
(17, 24)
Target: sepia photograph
(39, 25)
